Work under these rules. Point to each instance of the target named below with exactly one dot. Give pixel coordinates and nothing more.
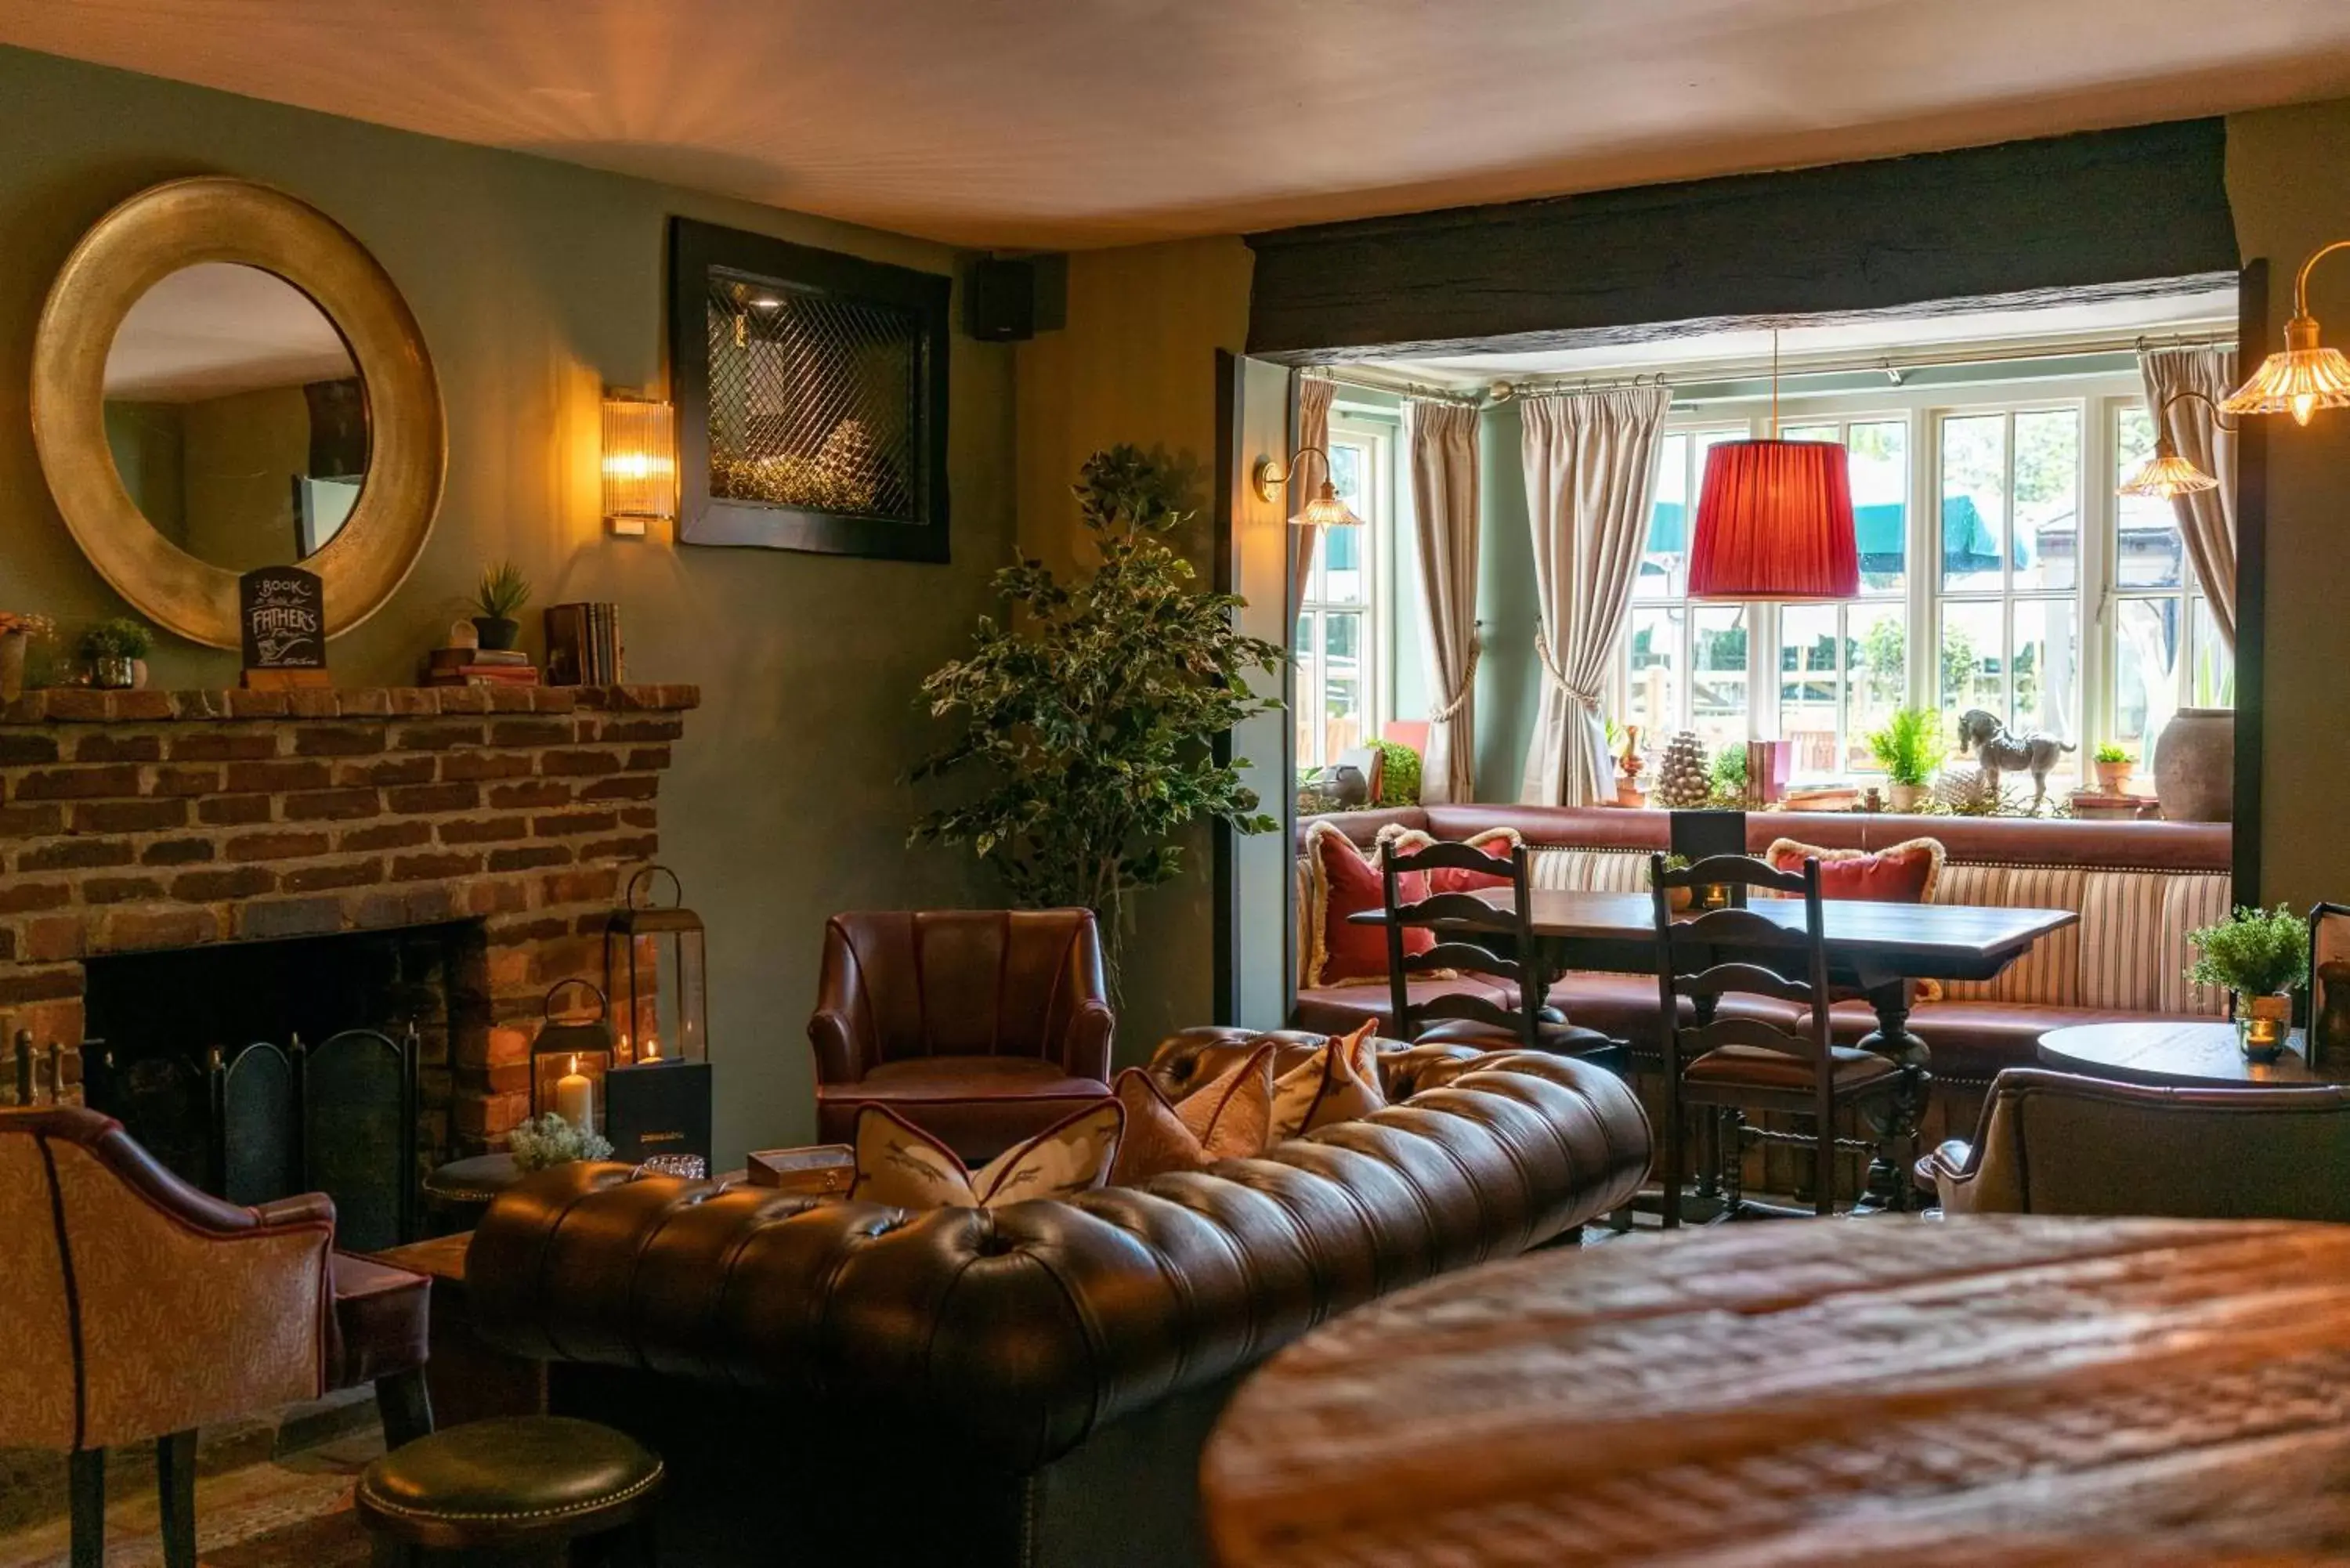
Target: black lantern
(658, 1089)
(571, 1059)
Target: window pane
(1975, 500)
(1809, 686)
(1880, 502)
(2215, 662)
(2149, 554)
(1343, 580)
(1718, 674)
(1972, 672)
(1342, 682)
(2146, 685)
(2046, 670)
(1809, 432)
(1668, 522)
(1876, 676)
(2048, 498)
(1307, 696)
(1653, 657)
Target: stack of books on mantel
(480, 667)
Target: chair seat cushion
(1753, 1065)
(382, 1320)
(512, 1478)
(1338, 1009)
(977, 1105)
(1559, 1039)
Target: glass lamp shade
(1326, 511)
(2164, 475)
(640, 460)
(1775, 521)
(2302, 377)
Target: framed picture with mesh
(811, 394)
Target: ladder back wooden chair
(1757, 1058)
(1510, 955)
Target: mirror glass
(236, 417)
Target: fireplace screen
(810, 390)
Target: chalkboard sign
(284, 618)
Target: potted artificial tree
(1089, 716)
(503, 591)
(1904, 748)
(2259, 956)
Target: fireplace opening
(256, 1070)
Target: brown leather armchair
(138, 1308)
(981, 1026)
(2053, 1143)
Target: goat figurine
(1996, 751)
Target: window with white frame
(1338, 667)
(1987, 523)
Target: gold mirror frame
(212, 218)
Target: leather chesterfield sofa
(844, 1382)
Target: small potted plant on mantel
(1904, 748)
(2260, 957)
(117, 650)
(504, 590)
(2114, 764)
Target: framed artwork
(811, 395)
(2328, 1039)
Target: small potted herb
(503, 591)
(117, 650)
(1904, 748)
(2114, 764)
(2259, 956)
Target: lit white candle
(575, 1098)
(652, 1049)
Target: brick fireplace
(141, 821)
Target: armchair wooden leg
(406, 1406)
(86, 1473)
(176, 1485)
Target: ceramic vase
(2195, 765)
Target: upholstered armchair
(980, 1026)
(2053, 1143)
(140, 1308)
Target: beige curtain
(1591, 464)
(1444, 502)
(2207, 519)
(1313, 397)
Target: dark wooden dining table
(2016, 1390)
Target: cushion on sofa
(1339, 1083)
(900, 1164)
(1902, 873)
(1230, 1118)
(1344, 881)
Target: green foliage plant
(2109, 751)
(1729, 776)
(1399, 773)
(549, 1139)
(1906, 747)
(1089, 716)
(120, 638)
(503, 591)
(2252, 952)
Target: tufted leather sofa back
(1020, 1330)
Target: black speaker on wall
(1011, 299)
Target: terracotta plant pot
(2195, 765)
(1908, 797)
(2114, 778)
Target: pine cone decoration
(1684, 782)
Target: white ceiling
(2078, 327)
(1090, 122)
(210, 330)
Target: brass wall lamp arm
(1271, 472)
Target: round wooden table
(1994, 1390)
(2178, 1055)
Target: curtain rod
(1412, 390)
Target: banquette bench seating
(2138, 886)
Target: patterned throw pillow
(1228, 1118)
(1337, 1083)
(900, 1164)
(1902, 873)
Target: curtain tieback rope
(1581, 694)
(1451, 710)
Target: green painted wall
(537, 284)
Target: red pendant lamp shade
(1775, 521)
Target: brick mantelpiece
(133, 821)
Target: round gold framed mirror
(224, 379)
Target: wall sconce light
(1325, 509)
(639, 464)
(2306, 375)
(2166, 473)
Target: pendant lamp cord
(1775, 383)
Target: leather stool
(489, 1488)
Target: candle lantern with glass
(658, 1094)
(571, 1054)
